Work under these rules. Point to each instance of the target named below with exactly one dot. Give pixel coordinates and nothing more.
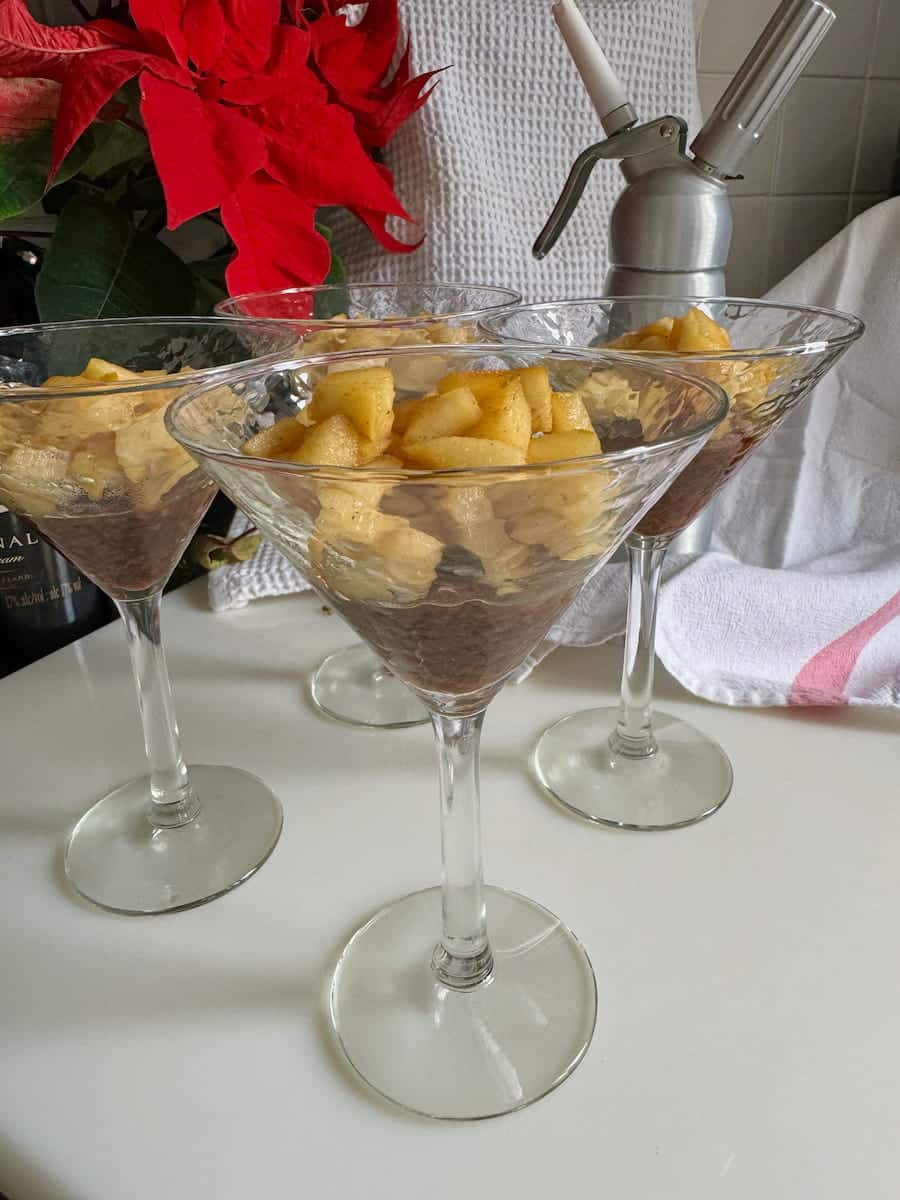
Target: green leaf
(336, 274)
(99, 265)
(114, 144)
(27, 116)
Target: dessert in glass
(353, 685)
(85, 454)
(450, 530)
(626, 767)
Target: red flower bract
(262, 115)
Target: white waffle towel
(483, 163)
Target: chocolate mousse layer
(695, 486)
(125, 550)
(462, 638)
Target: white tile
(745, 273)
(880, 132)
(886, 60)
(820, 126)
(730, 27)
(798, 226)
(757, 169)
(846, 46)
(863, 200)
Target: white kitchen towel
(482, 164)
(798, 601)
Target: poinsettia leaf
(28, 47)
(27, 112)
(226, 147)
(114, 144)
(99, 265)
(88, 85)
(277, 242)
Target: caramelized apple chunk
(365, 396)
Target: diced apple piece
(369, 339)
(83, 416)
(347, 517)
(506, 416)
(697, 333)
(569, 412)
(95, 468)
(467, 507)
(607, 393)
(355, 578)
(370, 452)
(515, 497)
(32, 479)
(410, 546)
(537, 528)
(282, 437)
(404, 413)
(167, 473)
(410, 559)
(417, 372)
(535, 383)
(555, 531)
(556, 447)
(479, 383)
(18, 426)
(447, 415)
(106, 372)
(364, 395)
(654, 344)
(144, 445)
(449, 453)
(367, 492)
(332, 443)
(503, 561)
(661, 328)
(69, 382)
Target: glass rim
(19, 393)
(226, 307)
(855, 330)
(246, 372)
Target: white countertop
(748, 1040)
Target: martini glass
(353, 685)
(84, 453)
(625, 766)
(461, 1001)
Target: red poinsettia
(263, 110)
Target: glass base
(353, 686)
(687, 779)
(464, 1055)
(117, 859)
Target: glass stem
(172, 799)
(462, 958)
(633, 735)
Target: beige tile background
(832, 150)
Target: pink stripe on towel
(824, 678)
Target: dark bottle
(44, 602)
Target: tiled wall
(831, 150)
